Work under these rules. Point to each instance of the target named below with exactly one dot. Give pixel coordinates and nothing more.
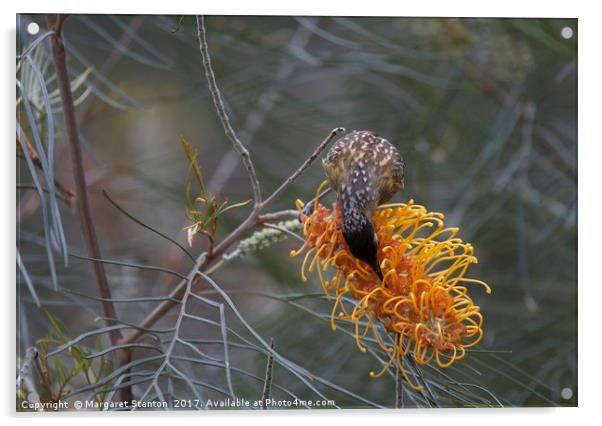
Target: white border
(590, 158)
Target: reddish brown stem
(55, 23)
(64, 192)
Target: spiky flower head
(422, 301)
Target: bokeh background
(484, 112)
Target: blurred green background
(484, 112)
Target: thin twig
(253, 219)
(399, 389)
(178, 25)
(267, 382)
(63, 192)
(305, 164)
(83, 208)
(277, 216)
(59, 195)
(283, 229)
(257, 116)
(221, 111)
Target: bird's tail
(359, 234)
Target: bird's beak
(376, 268)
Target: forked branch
(255, 217)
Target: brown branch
(253, 219)
(55, 23)
(221, 111)
(65, 193)
(267, 382)
(305, 164)
(60, 196)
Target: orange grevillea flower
(422, 302)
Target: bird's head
(359, 234)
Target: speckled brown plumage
(365, 170)
(366, 167)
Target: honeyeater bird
(365, 170)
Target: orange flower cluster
(422, 301)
